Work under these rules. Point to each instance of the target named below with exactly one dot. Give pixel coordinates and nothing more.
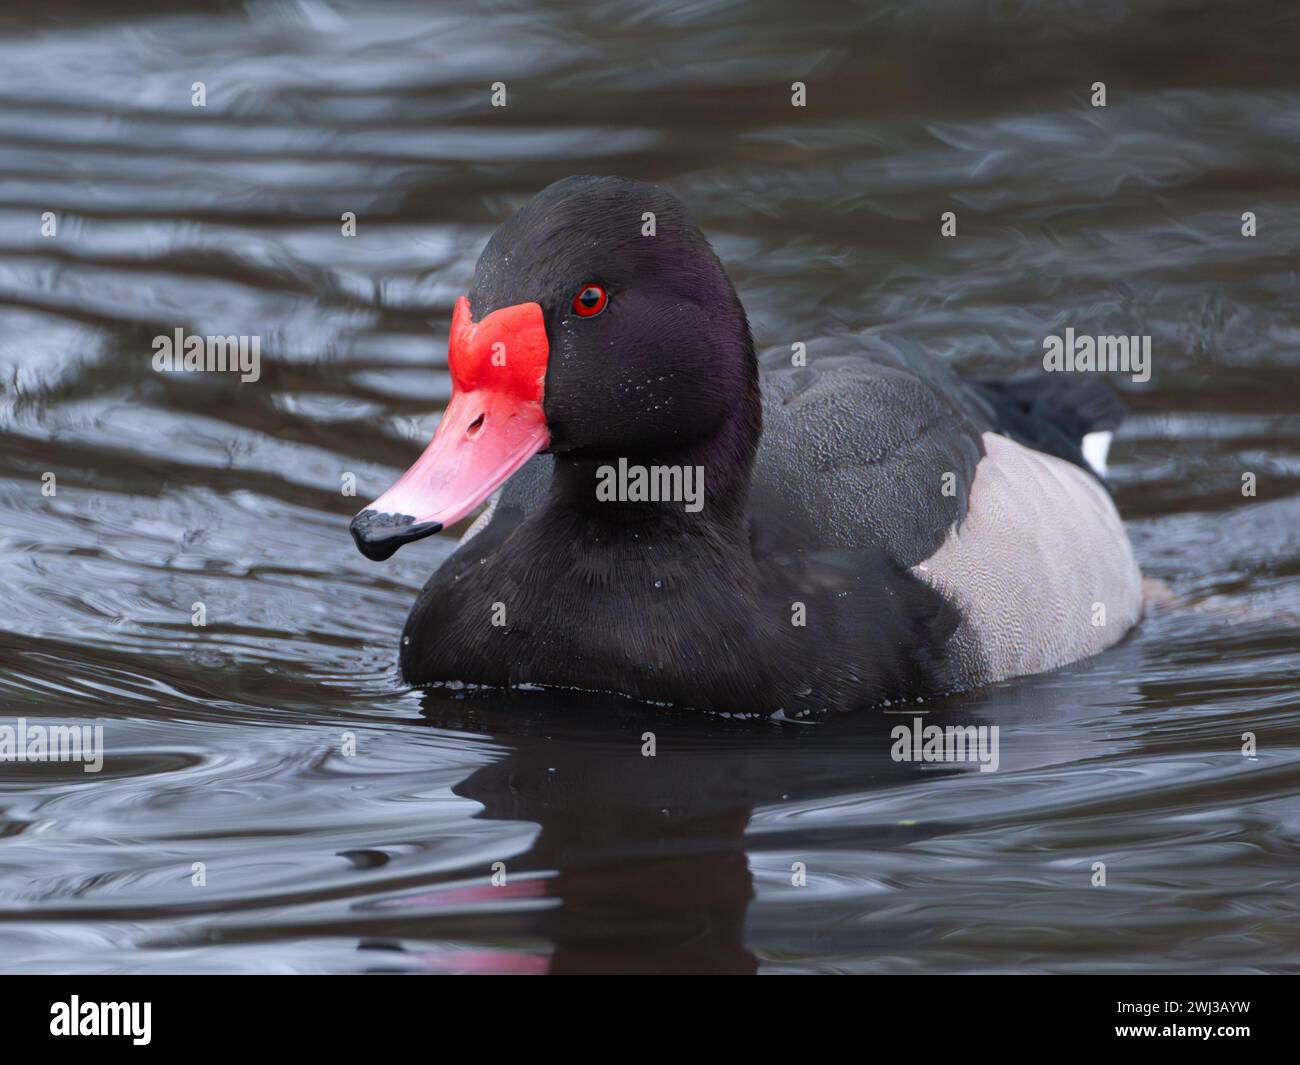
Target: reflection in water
(226, 742)
(646, 855)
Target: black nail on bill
(378, 535)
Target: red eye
(590, 301)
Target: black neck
(724, 459)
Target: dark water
(224, 743)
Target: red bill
(492, 426)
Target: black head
(667, 359)
(600, 323)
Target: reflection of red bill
(520, 887)
(492, 426)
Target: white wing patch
(1096, 446)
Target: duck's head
(600, 323)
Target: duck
(671, 521)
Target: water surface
(226, 743)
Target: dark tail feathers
(1052, 413)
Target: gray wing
(860, 445)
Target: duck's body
(867, 532)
